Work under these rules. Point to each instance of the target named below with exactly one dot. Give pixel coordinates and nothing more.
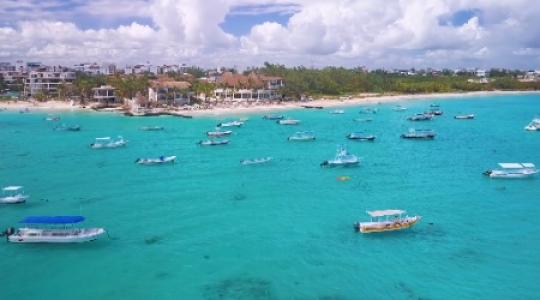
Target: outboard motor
(487, 173)
(137, 160)
(9, 231)
(356, 226)
(324, 163)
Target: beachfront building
(11, 77)
(46, 82)
(166, 90)
(251, 87)
(95, 69)
(103, 94)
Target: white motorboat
(419, 134)
(362, 119)
(256, 161)
(337, 111)
(273, 117)
(464, 117)
(66, 234)
(534, 125)
(369, 111)
(513, 170)
(361, 136)
(51, 117)
(302, 136)
(151, 128)
(218, 132)
(107, 142)
(399, 108)
(288, 122)
(435, 112)
(342, 158)
(213, 142)
(381, 222)
(231, 124)
(154, 161)
(14, 195)
(420, 117)
(64, 127)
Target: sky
(244, 33)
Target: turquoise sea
(207, 227)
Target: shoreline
(63, 106)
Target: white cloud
(400, 33)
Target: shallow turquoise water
(208, 227)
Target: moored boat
(399, 108)
(369, 111)
(362, 119)
(534, 125)
(154, 161)
(64, 127)
(361, 136)
(419, 134)
(66, 234)
(256, 161)
(273, 117)
(218, 132)
(337, 111)
(288, 122)
(151, 128)
(230, 124)
(14, 195)
(342, 158)
(435, 112)
(420, 117)
(107, 142)
(381, 222)
(51, 117)
(302, 136)
(213, 142)
(464, 117)
(513, 170)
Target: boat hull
(17, 199)
(504, 175)
(373, 227)
(60, 236)
(155, 161)
(467, 117)
(218, 133)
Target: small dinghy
(213, 142)
(464, 117)
(151, 128)
(107, 142)
(153, 161)
(288, 122)
(51, 118)
(256, 161)
(218, 133)
(230, 124)
(64, 127)
(362, 120)
(274, 117)
(360, 136)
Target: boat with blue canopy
(52, 229)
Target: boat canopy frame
(52, 220)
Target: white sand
(368, 99)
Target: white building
(104, 93)
(96, 69)
(46, 82)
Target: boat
(420, 117)
(534, 125)
(107, 142)
(218, 132)
(14, 194)
(51, 118)
(381, 222)
(434, 105)
(369, 111)
(464, 117)
(153, 161)
(288, 122)
(361, 136)
(213, 142)
(273, 117)
(231, 124)
(362, 120)
(419, 134)
(256, 161)
(151, 128)
(513, 170)
(399, 108)
(337, 111)
(64, 127)
(302, 136)
(54, 234)
(435, 112)
(342, 158)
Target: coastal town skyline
(243, 33)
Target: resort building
(251, 87)
(165, 90)
(95, 69)
(46, 82)
(103, 94)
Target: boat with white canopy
(381, 221)
(107, 142)
(231, 124)
(52, 229)
(419, 134)
(513, 170)
(361, 136)
(534, 125)
(342, 158)
(14, 195)
(288, 121)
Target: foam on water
(207, 227)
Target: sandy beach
(59, 106)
